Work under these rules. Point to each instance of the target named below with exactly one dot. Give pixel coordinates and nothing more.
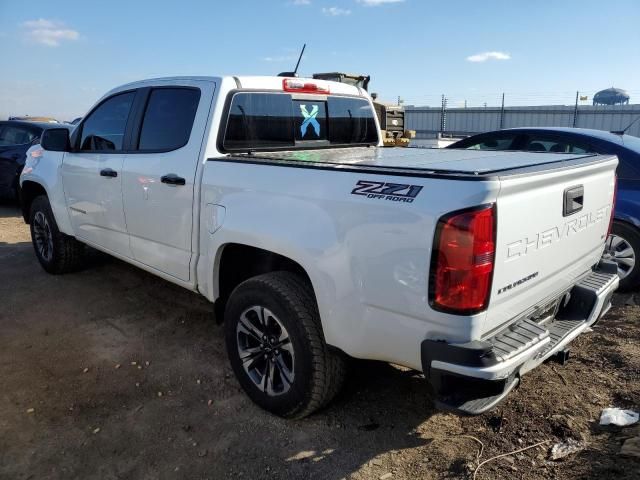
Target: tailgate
(552, 228)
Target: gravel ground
(111, 373)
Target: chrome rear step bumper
(474, 377)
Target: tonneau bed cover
(419, 161)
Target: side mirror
(55, 140)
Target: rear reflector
(303, 86)
(462, 261)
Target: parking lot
(114, 373)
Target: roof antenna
(295, 72)
(622, 132)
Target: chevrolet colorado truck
(271, 197)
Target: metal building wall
(543, 116)
(472, 119)
(426, 121)
(610, 118)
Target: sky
(59, 57)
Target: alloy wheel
(265, 350)
(43, 236)
(621, 252)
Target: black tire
(64, 253)
(318, 370)
(632, 236)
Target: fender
(46, 172)
(314, 245)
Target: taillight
(613, 204)
(462, 261)
(301, 86)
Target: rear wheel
(276, 346)
(623, 248)
(56, 252)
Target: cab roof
(246, 82)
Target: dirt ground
(111, 373)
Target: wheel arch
(29, 191)
(237, 262)
(629, 221)
(625, 218)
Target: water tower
(611, 96)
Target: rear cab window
(262, 121)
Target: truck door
(159, 176)
(92, 175)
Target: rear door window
(168, 118)
(264, 121)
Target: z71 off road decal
(395, 192)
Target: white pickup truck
(271, 197)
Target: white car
(271, 197)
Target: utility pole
(575, 110)
(502, 113)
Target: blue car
(623, 246)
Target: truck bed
(420, 162)
(369, 253)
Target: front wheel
(276, 346)
(56, 252)
(623, 248)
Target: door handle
(172, 179)
(108, 172)
(573, 200)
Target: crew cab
(271, 197)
